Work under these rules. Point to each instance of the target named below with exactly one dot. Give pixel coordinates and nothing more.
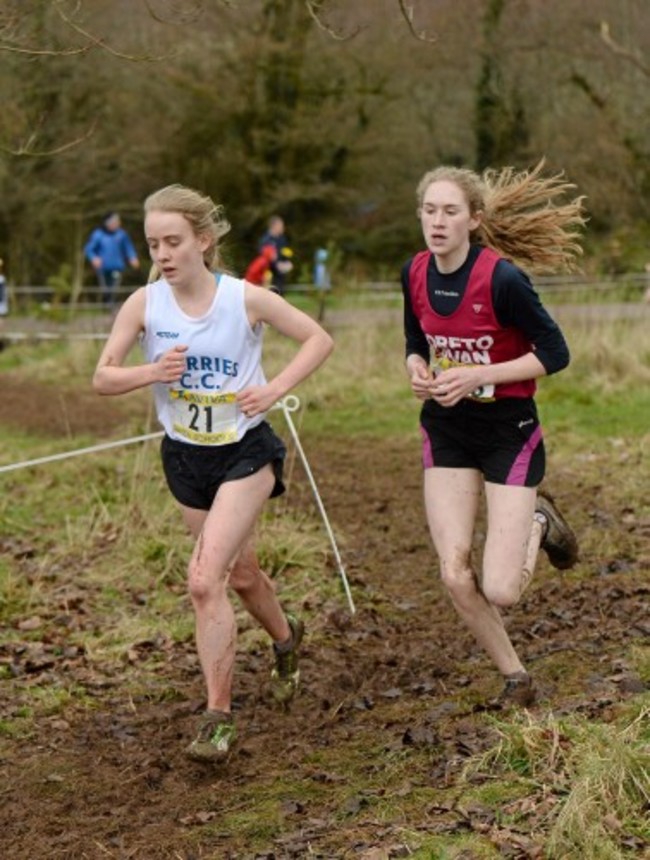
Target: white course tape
(288, 405)
(51, 335)
(79, 451)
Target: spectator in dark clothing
(282, 265)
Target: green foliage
(61, 283)
(500, 122)
(328, 113)
(624, 248)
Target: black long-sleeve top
(515, 302)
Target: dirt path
(98, 326)
(111, 781)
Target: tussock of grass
(610, 356)
(290, 542)
(599, 774)
(611, 790)
(604, 391)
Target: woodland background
(327, 112)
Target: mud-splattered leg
(222, 534)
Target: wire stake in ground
(288, 405)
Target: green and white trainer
(215, 738)
(285, 676)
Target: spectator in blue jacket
(109, 250)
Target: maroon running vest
(471, 334)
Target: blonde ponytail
(523, 217)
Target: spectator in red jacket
(259, 271)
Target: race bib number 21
(205, 418)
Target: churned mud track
(111, 781)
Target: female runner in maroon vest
(477, 338)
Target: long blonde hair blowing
(523, 217)
(204, 216)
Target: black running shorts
(501, 439)
(194, 473)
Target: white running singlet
(223, 357)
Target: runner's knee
(503, 593)
(245, 574)
(204, 584)
(458, 578)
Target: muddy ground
(112, 782)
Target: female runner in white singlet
(201, 332)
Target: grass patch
(362, 389)
(590, 780)
(605, 392)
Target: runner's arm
(110, 376)
(418, 352)
(416, 341)
(92, 249)
(516, 303)
(264, 306)
(450, 386)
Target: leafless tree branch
(95, 41)
(313, 7)
(407, 14)
(9, 40)
(26, 150)
(9, 43)
(620, 50)
(183, 11)
(35, 52)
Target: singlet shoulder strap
(485, 263)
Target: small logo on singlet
(525, 423)
(169, 334)
(477, 308)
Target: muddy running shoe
(215, 738)
(518, 690)
(559, 542)
(285, 676)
